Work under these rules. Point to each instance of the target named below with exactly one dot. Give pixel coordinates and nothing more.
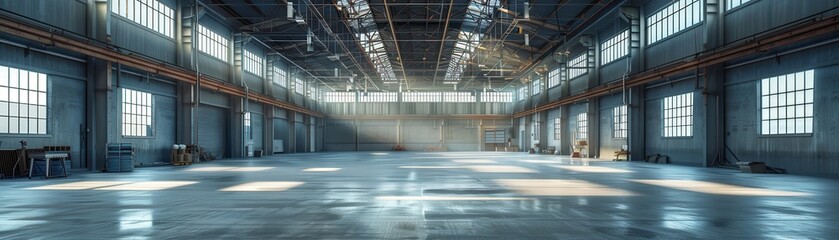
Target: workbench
(47, 157)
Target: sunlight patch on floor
(560, 187)
(262, 187)
(719, 188)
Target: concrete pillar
(593, 127)
(713, 83)
(292, 130)
(635, 137)
(268, 130)
(237, 136)
(564, 146)
(102, 122)
(713, 103)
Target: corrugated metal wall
(815, 153)
(214, 129)
(66, 14)
(155, 148)
(65, 98)
(682, 150)
(608, 142)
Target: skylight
(477, 19)
(361, 20)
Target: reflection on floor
(384, 195)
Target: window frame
(536, 84)
(253, 63)
(524, 92)
(670, 18)
(212, 43)
(151, 129)
(620, 122)
(578, 63)
(740, 5)
(496, 97)
(804, 89)
(677, 116)
(299, 86)
(611, 48)
(36, 90)
(554, 77)
(339, 97)
(280, 73)
(152, 15)
(582, 129)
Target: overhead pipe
(785, 36)
(108, 52)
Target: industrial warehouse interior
(419, 119)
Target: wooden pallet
(181, 163)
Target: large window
(339, 97)
(149, 13)
(422, 97)
(557, 129)
(378, 97)
(536, 84)
(614, 48)
(553, 78)
(787, 104)
(280, 77)
(729, 4)
(498, 97)
(212, 43)
(536, 127)
(459, 97)
(248, 128)
(136, 113)
(313, 91)
(620, 126)
(578, 66)
(678, 116)
(299, 86)
(523, 93)
(253, 63)
(673, 18)
(23, 101)
(582, 126)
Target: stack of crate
(119, 157)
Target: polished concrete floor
(455, 195)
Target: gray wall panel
(759, 16)
(16, 57)
(579, 84)
(156, 148)
(214, 130)
(689, 42)
(257, 124)
(608, 143)
(214, 98)
(682, 150)
(65, 99)
(137, 38)
(281, 132)
(613, 71)
(814, 154)
(66, 14)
